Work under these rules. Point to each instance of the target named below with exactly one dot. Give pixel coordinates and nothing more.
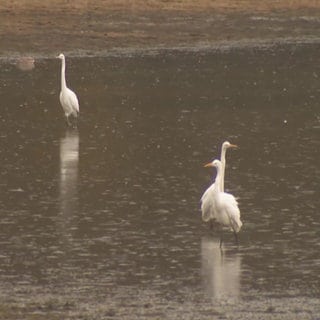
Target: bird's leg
(76, 123)
(236, 237)
(68, 121)
(221, 238)
(211, 225)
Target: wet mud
(120, 27)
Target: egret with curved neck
(207, 200)
(68, 98)
(226, 206)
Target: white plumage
(223, 205)
(68, 98)
(208, 204)
(208, 199)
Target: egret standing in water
(207, 200)
(225, 205)
(68, 98)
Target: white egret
(225, 205)
(225, 146)
(68, 98)
(207, 200)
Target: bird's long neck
(218, 178)
(223, 168)
(63, 74)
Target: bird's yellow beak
(208, 165)
(233, 146)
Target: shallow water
(109, 214)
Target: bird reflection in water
(69, 157)
(221, 270)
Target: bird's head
(227, 145)
(215, 164)
(60, 56)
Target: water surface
(105, 219)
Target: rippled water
(110, 212)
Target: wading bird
(207, 200)
(68, 98)
(225, 205)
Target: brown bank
(43, 28)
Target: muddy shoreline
(116, 28)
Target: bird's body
(207, 204)
(228, 213)
(225, 206)
(207, 200)
(69, 102)
(68, 98)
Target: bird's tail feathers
(236, 224)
